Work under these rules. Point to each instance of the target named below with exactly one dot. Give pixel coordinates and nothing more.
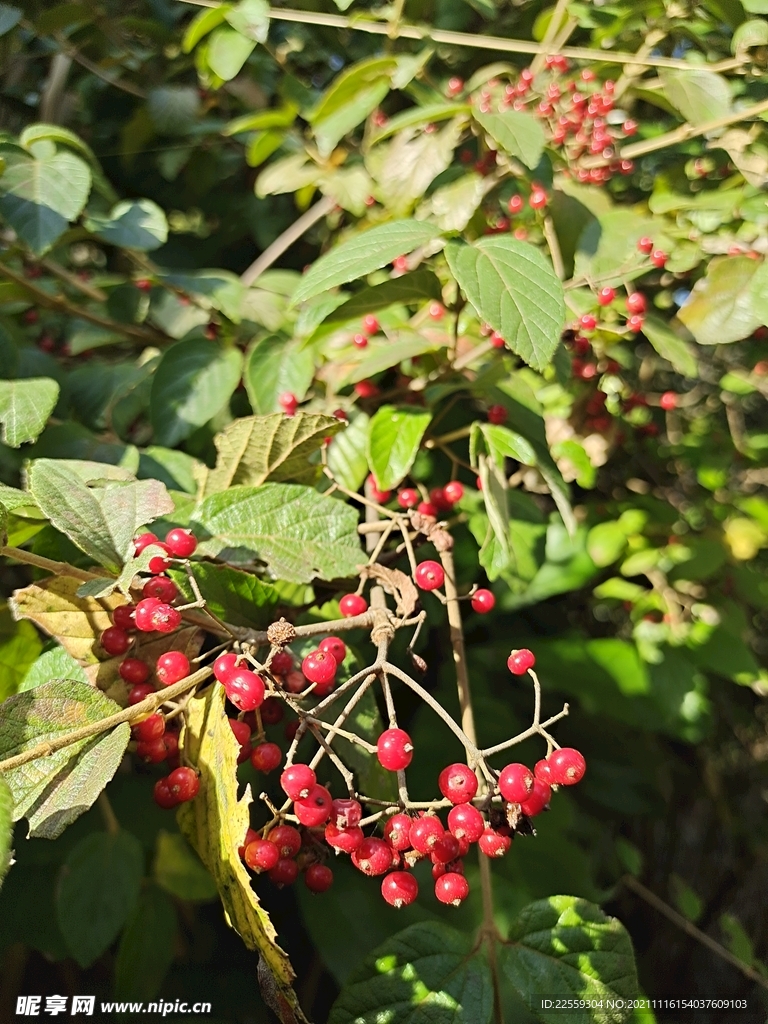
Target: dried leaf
(398, 584)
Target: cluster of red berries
(368, 327)
(181, 785)
(441, 499)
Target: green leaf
(9, 18)
(362, 254)
(391, 353)
(179, 871)
(698, 94)
(227, 52)
(501, 443)
(514, 289)
(586, 474)
(201, 25)
(495, 553)
(606, 543)
(101, 520)
(193, 382)
(405, 290)
(671, 346)
(453, 206)
(347, 458)
(350, 98)
(289, 174)
(516, 133)
(274, 365)
(417, 117)
(212, 288)
(394, 438)
(147, 947)
(251, 19)
(427, 972)
(6, 823)
(53, 664)
(277, 447)
(54, 790)
(25, 406)
(299, 533)
(41, 195)
(98, 889)
(751, 33)
(17, 655)
(759, 292)
(237, 597)
(721, 308)
(133, 224)
(565, 947)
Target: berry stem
(111, 824)
(532, 731)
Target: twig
(49, 565)
(558, 14)
(533, 731)
(74, 281)
(111, 823)
(284, 241)
(550, 237)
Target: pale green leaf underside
(25, 406)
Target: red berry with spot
(242, 733)
(466, 822)
(493, 843)
(397, 831)
(659, 258)
(541, 771)
(143, 614)
(261, 855)
(636, 302)
(346, 840)
(245, 689)
(516, 783)
(162, 588)
(453, 492)
(408, 497)
(319, 667)
(163, 796)
(424, 833)
(181, 543)
(429, 575)
(538, 799)
(373, 857)
(123, 616)
(394, 750)
(298, 781)
(139, 693)
(520, 661)
(668, 401)
(399, 889)
(266, 757)
(452, 888)
(588, 322)
(171, 667)
(152, 751)
(281, 663)
(346, 812)
(457, 783)
(225, 666)
(133, 670)
(353, 604)
(482, 601)
(606, 296)
(165, 618)
(567, 766)
(645, 245)
(334, 646)
(150, 728)
(445, 849)
(287, 839)
(318, 878)
(497, 414)
(184, 784)
(143, 541)
(285, 872)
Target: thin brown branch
(74, 281)
(284, 241)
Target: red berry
(370, 324)
(493, 843)
(158, 564)
(429, 575)
(171, 741)
(150, 728)
(635, 322)
(445, 849)
(115, 641)
(538, 799)
(453, 492)
(318, 878)
(143, 541)
(143, 615)
(225, 666)
(360, 341)
(438, 499)
(298, 781)
(567, 766)
(455, 86)
(143, 284)
(382, 497)
(250, 837)
(397, 831)
(457, 783)
(139, 692)
(347, 840)
(400, 264)
(497, 414)
(399, 889)
(271, 711)
(245, 689)
(181, 543)
(133, 670)
(636, 302)
(353, 604)
(266, 757)
(425, 832)
(346, 812)
(152, 751)
(366, 389)
(483, 601)
(295, 682)
(520, 661)
(427, 508)
(606, 296)
(281, 663)
(516, 783)
(172, 667)
(541, 771)
(588, 322)
(408, 497)
(285, 872)
(334, 646)
(261, 855)
(515, 204)
(394, 750)
(466, 822)
(645, 244)
(123, 616)
(320, 667)
(163, 796)
(497, 340)
(659, 258)
(288, 402)
(184, 784)
(162, 588)
(436, 311)
(164, 618)
(242, 733)
(452, 888)
(373, 857)
(287, 839)
(668, 401)
(538, 199)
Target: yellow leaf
(744, 537)
(215, 823)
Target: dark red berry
(285, 872)
(163, 796)
(152, 751)
(139, 693)
(520, 661)
(429, 575)
(483, 601)
(266, 757)
(516, 783)
(150, 728)
(397, 831)
(242, 733)
(346, 812)
(298, 781)
(184, 784)
(281, 663)
(394, 750)
(180, 543)
(261, 855)
(373, 857)
(466, 822)
(457, 783)
(399, 889)
(567, 766)
(171, 667)
(164, 618)
(123, 616)
(493, 843)
(353, 604)
(346, 840)
(538, 799)
(445, 849)
(287, 839)
(425, 832)
(271, 711)
(318, 878)
(162, 588)
(334, 646)
(497, 414)
(452, 888)
(133, 670)
(115, 641)
(315, 808)
(295, 682)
